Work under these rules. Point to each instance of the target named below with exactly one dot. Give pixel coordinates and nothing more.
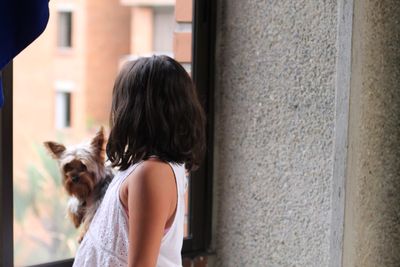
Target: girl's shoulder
(153, 164)
(151, 176)
(152, 171)
(144, 167)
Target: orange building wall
(107, 41)
(35, 71)
(69, 64)
(183, 39)
(91, 65)
(141, 30)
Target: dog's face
(81, 165)
(77, 179)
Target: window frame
(67, 87)
(201, 190)
(65, 9)
(67, 113)
(6, 171)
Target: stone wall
(372, 219)
(274, 132)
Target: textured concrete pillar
(372, 217)
(274, 135)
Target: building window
(63, 110)
(163, 32)
(64, 29)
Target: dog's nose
(75, 178)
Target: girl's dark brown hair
(155, 112)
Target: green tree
(44, 201)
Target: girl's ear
(98, 143)
(55, 149)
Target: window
(33, 229)
(64, 37)
(202, 69)
(164, 23)
(63, 110)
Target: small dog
(85, 177)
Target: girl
(157, 134)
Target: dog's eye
(83, 167)
(67, 168)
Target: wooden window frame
(200, 217)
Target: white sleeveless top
(106, 243)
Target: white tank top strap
(171, 244)
(178, 173)
(121, 179)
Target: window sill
(62, 263)
(65, 51)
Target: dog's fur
(85, 177)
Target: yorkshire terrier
(85, 177)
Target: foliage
(40, 213)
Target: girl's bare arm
(151, 202)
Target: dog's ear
(55, 149)
(98, 143)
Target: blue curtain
(21, 22)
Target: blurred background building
(68, 98)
